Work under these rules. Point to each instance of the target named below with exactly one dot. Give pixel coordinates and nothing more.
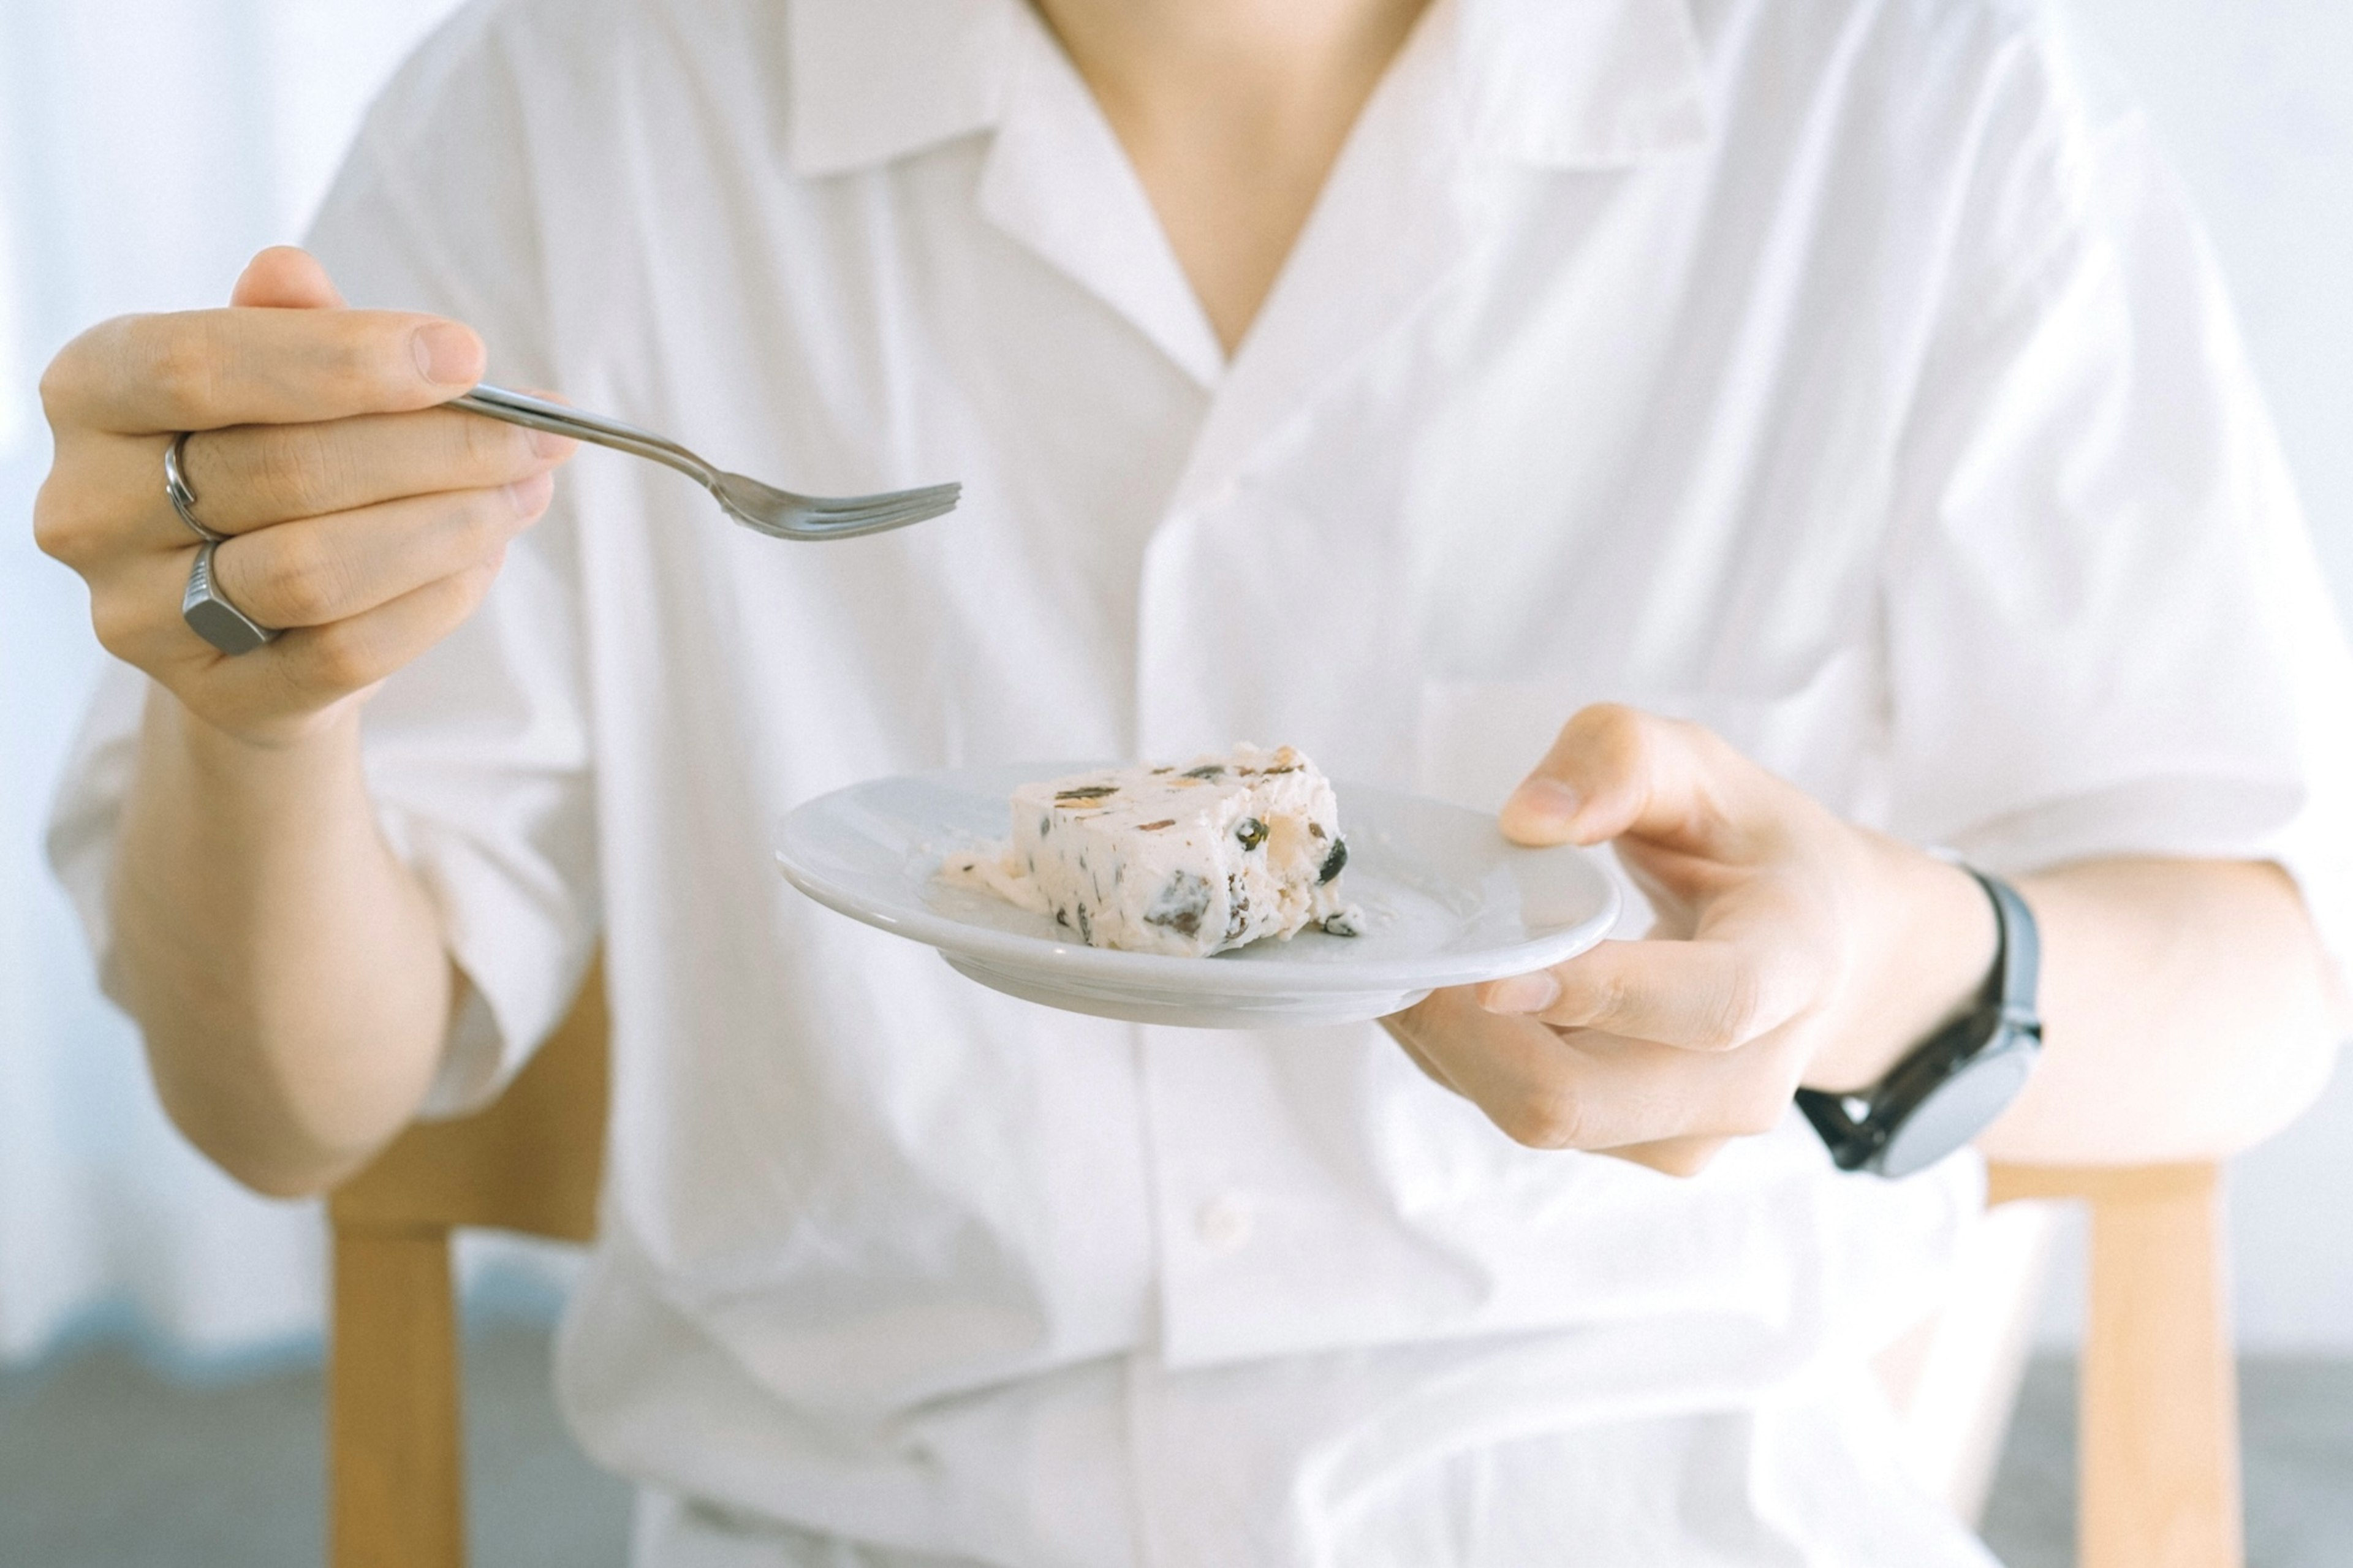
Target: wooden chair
(2156, 1392)
(2158, 1427)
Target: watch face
(1958, 1109)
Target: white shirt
(1835, 374)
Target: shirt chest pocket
(1477, 739)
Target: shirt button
(1225, 1221)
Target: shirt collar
(1554, 83)
(872, 81)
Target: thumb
(1619, 772)
(288, 279)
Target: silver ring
(175, 486)
(210, 614)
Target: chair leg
(396, 1485)
(2159, 1396)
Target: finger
(1615, 770)
(313, 665)
(1644, 1094)
(1515, 1069)
(326, 568)
(252, 475)
(135, 609)
(285, 277)
(201, 370)
(1593, 1091)
(1705, 995)
(305, 573)
(1400, 1029)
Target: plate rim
(1176, 976)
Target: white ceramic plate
(1448, 902)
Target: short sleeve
(478, 754)
(2108, 631)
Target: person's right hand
(362, 519)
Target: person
(1778, 441)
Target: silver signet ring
(176, 485)
(212, 616)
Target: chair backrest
(2158, 1422)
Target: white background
(148, 146)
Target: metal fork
(779, 514)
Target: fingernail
(1543, 802)
(548, 443)
(1521, 993)
(447, 355)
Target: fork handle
(539, 414)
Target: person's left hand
(1790, 947)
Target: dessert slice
(1188, 860)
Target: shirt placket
(1237, 1199)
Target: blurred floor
(2297, 1424)
(104, 1464)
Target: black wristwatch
(1950, 1088)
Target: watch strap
(2017, 959)
(1997, 1040)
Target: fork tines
(888, 510)
(942, 496)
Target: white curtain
(147, 148)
